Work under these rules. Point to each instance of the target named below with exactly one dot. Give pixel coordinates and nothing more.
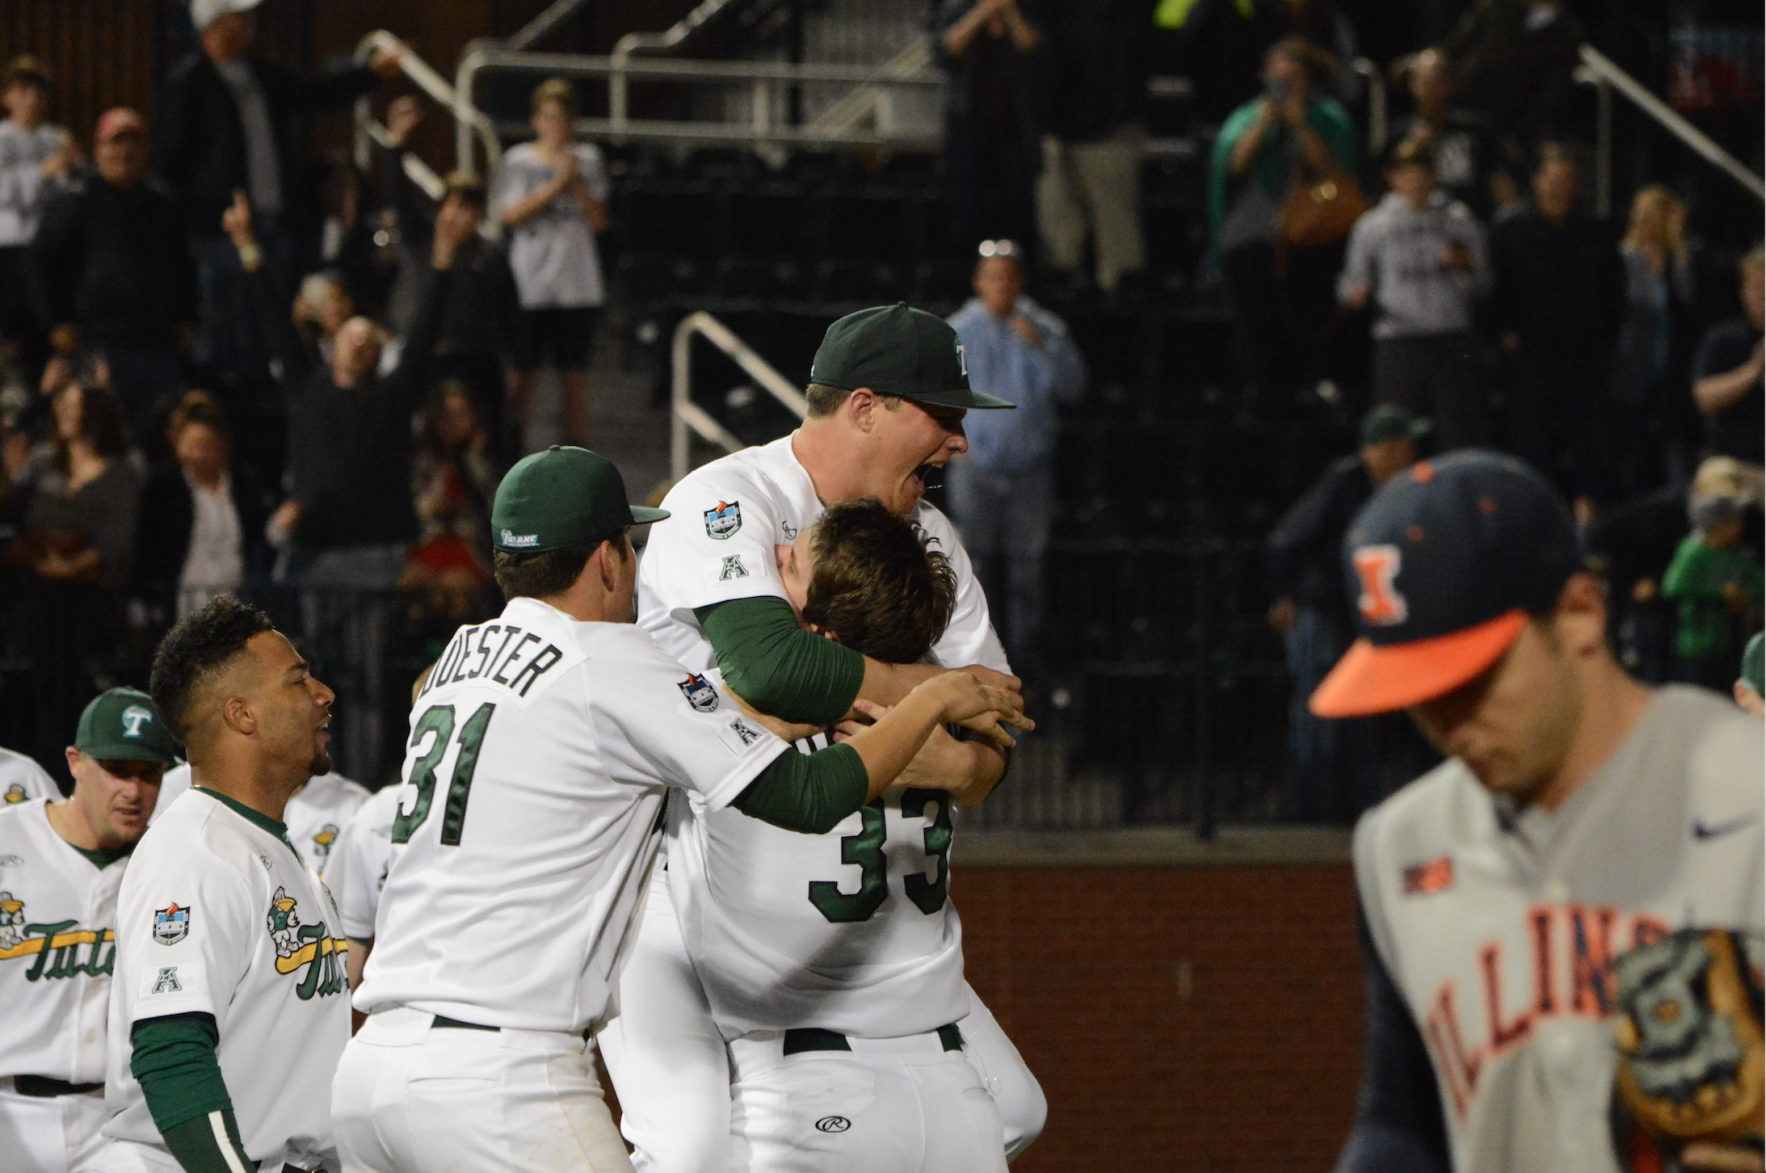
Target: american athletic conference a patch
(699, 693)
(171, 924)
(724, 520)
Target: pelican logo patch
(723, 520)
(699, 693)
(299, 944)
(15, 793)
(1377, 567)
(12, 921)
(171, 924)
(323, 839)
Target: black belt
(456, 1024)
(814, 1038)
(42, 1087)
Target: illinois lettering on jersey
(1500, 927)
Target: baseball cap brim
(128, 751)
(1371, 679)
(960, 397)
(644, 515)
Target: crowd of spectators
(231, 368)
(227, 369)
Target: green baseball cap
(898, 350)
(562, 497)
(1388, 421)
(123, 725)
(1753, 664)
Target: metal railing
(1599, 71)
(467, 118)
(687, 416)
(1376, 104)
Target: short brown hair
(198, 407)
(24, 70)
(559, 90)
(877, 586)
(524, 575)
(825, 400)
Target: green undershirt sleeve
(810, 793)
(174, 1059)
(777, 666)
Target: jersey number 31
(439, 721)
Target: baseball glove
(1692, 1066)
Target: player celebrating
(62, 864)
(226, 1020)
(540, 751)
(887, 396)
(834, 964)
(1579, 815)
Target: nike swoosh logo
(1702, 830)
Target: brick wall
(1194, 1018)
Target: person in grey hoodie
(1420, 259)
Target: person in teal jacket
(1284, 321)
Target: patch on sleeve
(700, 692)
(172, 924)
(739, 734)
(157, 981)
(1429, 877)
(723, 520)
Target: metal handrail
(542, 25)
(762, 75)
(1598, 70)
(466, 116)
(654, 42)
(1376, 104)
(685, 414)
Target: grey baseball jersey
(1499, 926)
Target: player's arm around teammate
(542, 746)
(227, 1014)
(61, 864)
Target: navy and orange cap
(1446, 563)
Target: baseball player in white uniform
(1579, 815)
(229, 1009)
(360, 860)
(315, 814)
(542, 745)
(61, 863)
(22, 779)
(887, 396)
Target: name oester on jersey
(500, 653)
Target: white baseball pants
(411, 1097)
(902, 1105)
(49, 1134)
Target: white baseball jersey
(359, 862)
(57, 948)
(718, 546)
(22, 779)
(218, 915)
(316, 815)
(1499, 928)
(540, 752)
(851, 931)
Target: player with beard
(228, 1012)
